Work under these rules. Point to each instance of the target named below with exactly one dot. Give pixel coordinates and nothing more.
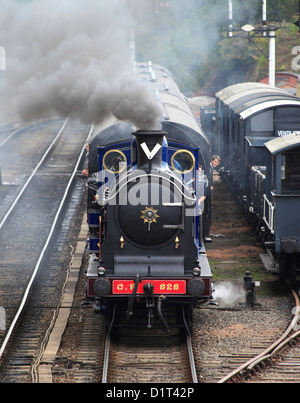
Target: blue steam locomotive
(148, 214)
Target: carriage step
(269, 263)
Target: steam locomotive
(148, 214)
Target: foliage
(189, 38)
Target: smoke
(184, 35)
(229, 294)
(72, 57)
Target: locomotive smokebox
(150, 146)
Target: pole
(230, 19)
(272, 56)
(264, 17)
(272, 44)
(299, 15)
(131, 36)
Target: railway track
(143, 356)
(229, 335)
(217, 332)
(36, 221)
(285, 369)
(80, 356)
(87, 353)
(272, 352)
(234, 334)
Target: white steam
(72, 57)
(229, 294)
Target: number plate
(159, 286)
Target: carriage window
(290, 172)
(263, 122)
(114, 161)
(183, 161)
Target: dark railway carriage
(148, 214)
(247, 116)
(281, 207)
(207, 121)
(257, 136)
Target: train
(148, 214)
(256, 130)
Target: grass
(270, 285)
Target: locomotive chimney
(149, 149)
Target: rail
(192, 360)
(53, 226)
(10, 136)
(273, 349)
(33, 174)
(191, 367)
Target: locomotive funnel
(149, 148)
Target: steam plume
(229, 294)
(71, 57)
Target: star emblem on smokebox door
(149, 215)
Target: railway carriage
(257, 135)
(279, 208)
(148, 214)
